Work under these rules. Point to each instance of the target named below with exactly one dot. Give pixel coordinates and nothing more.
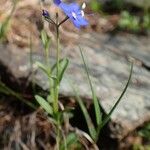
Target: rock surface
(108, 58)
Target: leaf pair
(51, 74)
(63, 63)
(63, 66)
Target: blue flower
(74, 12)
(57, 2)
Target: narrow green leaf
(47, 45)
(53, 77)
(95, 100)
(53, 68)
(63, 63)
(44, 104)
(4, 89)
(117, 102)
(42, 67)
(4, 26)
(8, 91)
(70, 140)
(87, 117)
(44, 37)
(45, 40)
(45, 70)
(55, 65)
(63, 67)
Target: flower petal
(57, 2)
(74, 7)
(75, 14)
(65, 7)
(79, 22)
(83, 21)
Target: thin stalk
(57, 67)
(47, 62)
(48, 67)
(50, 21)
(58, 133)
(57, 83)
(63, 21)
(47, 58)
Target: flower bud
(45, 13)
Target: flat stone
(108, 58)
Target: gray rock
(108, 59)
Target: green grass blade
(44, 104)
(87, 117)
(117, 102)
(70, 140)
(42, 67)
(95, 100)
(4, 26)
(45, 39)
(55, 65)
(6, 90)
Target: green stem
(47, 62)
(57, 67)
(58, 133)
(57, 83)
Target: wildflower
(74, 12)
